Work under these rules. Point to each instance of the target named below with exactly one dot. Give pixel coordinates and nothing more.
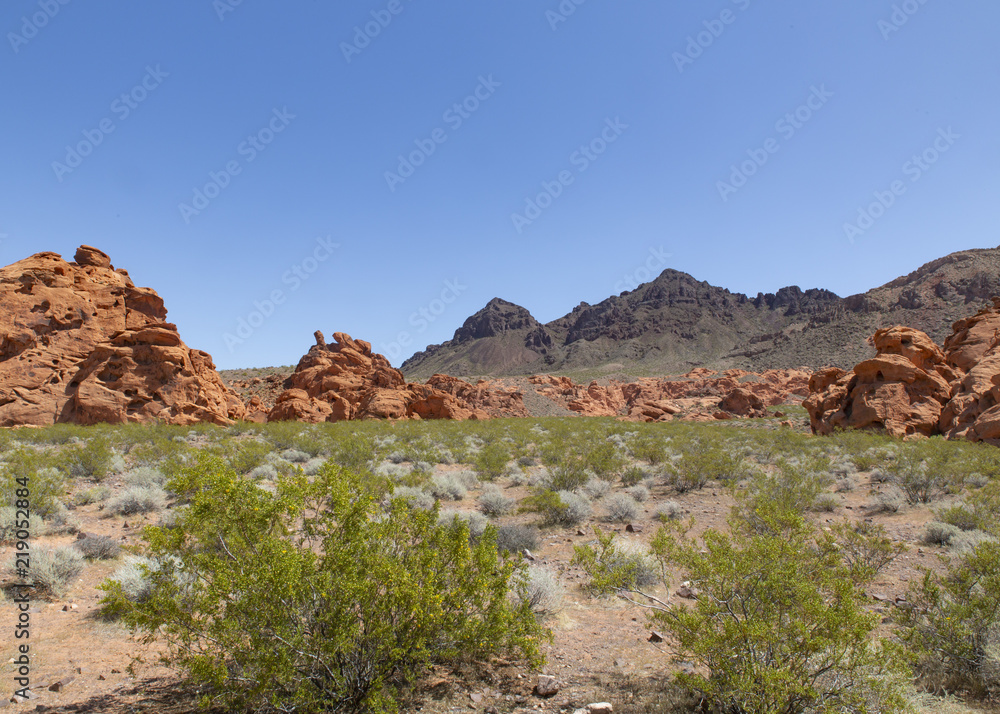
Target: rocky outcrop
(346, 380)
(483, 396)
(913, 387)
(697, 395)
(80, 343)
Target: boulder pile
(346, 380)
(912, 387)
(699, 395)
(80, 343)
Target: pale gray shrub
(620, 507)
(137, 500)
(493, 503)
(543, 592)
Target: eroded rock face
(346, 380)
(697, 395)
(913, 387)
(80, 343)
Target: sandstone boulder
(742, 402)
(80, 343)
(346, 380)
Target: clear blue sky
(613, 76)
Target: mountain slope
(676, 322)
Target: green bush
(779, 625)
(46, 485)
(315, 599)
(701, 462)
(563, 508)
(491, 461)
(954, 622)
(616, 565)
(11, 524)
(865, 548)
(605, 460)
(94, 460)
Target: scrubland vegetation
(309, 568)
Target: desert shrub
(61, 522)
(558, 508)
(45, 484)
(397, 457)
(264, 472)
(639, 492)
(98, 547)
(865, 548)
(924, 471)
(414, 497)
(52, 570)
(620, 507)
(131, 581)
(526, 461)
(145, 476)
(701, 462)
(11, 525)
(954, 623)
(137, 500)
(491, 461)
(247, 454)
(825, 503)
(790, 489)
(937, 533)
(668, 510)
(965, 541)
(516, 537)
(312, 466)
(94, 460)
(368, 599)
(633, 475)
(605, 459)
(358, 454)
(474, 521)
(960, 516)
(652, 449)
(295, 456)
(446, 487)
(542, 591)
(888, 501)
(282, 434)
(569, 474)
(780, 624)
(493, 503)
(617, 565)
(423, 467)
(596, 488)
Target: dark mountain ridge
(676, 322)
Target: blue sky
(731, 139)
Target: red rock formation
(79, 342)
(742, 402)
(696, 395)
(346, 380)
(483, 396)
(902, 389)
(913, 387)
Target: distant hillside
(676, 322)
